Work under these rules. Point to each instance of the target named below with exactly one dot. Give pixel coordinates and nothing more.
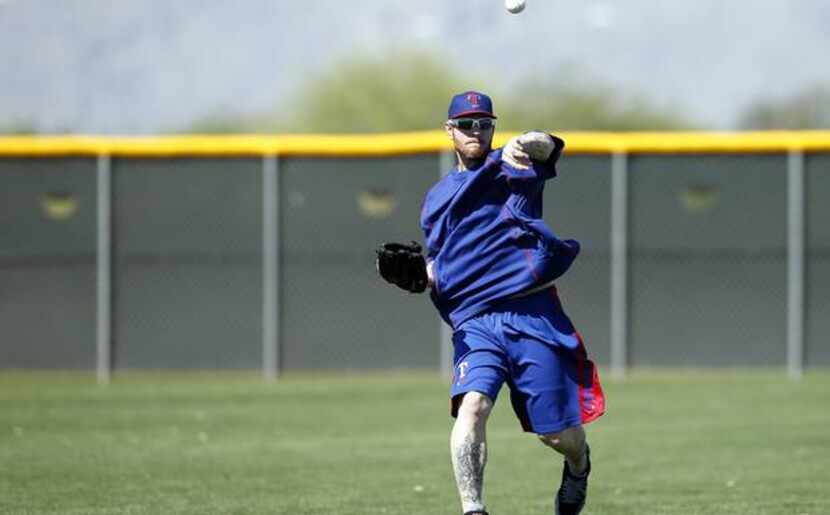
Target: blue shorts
(530, 344)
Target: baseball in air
(514, 6)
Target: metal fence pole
(103, 271)
(619, 264)
(270, 268)
(795, 263)
(446, 164)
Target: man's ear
(448, 128)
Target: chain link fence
(706, 247)
(708, 260)
(336, 312)
(187, 263)
(47, 263)
(577, 204)
(817, 344)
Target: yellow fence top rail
(407, 143)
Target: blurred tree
(409, 91)
(809, 109)
(221, 123)
(18, 128)
(412, 93)
(402, 92)
(582, 103)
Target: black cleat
(476, 512)
(570, 499)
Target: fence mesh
(187, 263)
(708, 260)
(577, 205)
(336, 312)
(817, 324)
(47, 263)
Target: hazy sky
(137, 66)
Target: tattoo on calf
(469, 469)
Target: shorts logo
(462, 371)
(473, 99)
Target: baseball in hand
(514, 6)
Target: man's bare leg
(571, 444)
(468, 445)
(570, 498)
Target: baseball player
(490, 264)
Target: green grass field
(678, 443)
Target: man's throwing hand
(530, 146)
(402, 265)
(514, 155)
(538, 145)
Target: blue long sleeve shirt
(486, 238)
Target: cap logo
(474, 99)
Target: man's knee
(475, 405)
(569, 439)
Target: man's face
(471, 141)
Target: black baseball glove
(403, 265)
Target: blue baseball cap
(470, 102)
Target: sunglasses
(466, 124)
